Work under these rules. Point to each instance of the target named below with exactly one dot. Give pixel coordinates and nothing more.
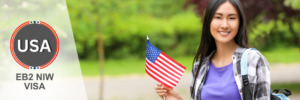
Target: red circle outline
(13, 37)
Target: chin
(225, 41)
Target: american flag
(161, 67)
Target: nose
(224, 25)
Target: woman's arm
(262, 76)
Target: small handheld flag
(161, 67)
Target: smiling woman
(225, 23)
(216, 71)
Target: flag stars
(152, 52)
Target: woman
(216, 73)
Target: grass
(115, 67)
(283, 55)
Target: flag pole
(147, 38)
(164, 98)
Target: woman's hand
(167, 93)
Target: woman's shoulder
(255, 57)
(204, 62)
(254, 53)
(195, 66)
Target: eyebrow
(229, 14)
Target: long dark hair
(207, 42)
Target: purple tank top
(220, 84)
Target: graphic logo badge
(34, 45)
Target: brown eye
(232, 18)
(218, 17)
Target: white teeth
(224, 33)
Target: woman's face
(225, 23)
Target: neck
(224, 52)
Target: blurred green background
(124, 24)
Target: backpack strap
(286, 92)
(244, 59)
(244, 73)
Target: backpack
(278, 94)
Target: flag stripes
(163, 63)
(173, 62)
(159, 79)
(162, 68)
(171, 71)
(161, 76)
(157, 69)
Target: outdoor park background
(174, 26)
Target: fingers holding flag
(167, 93)
(160, 90)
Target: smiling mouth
(224, 33)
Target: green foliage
(293, 3)
(125, 24)
(129, 36)
(266, 35)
